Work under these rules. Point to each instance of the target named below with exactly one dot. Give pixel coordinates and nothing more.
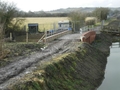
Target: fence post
(74, 26)
(11, 36)
(1, 39)
(26, 36)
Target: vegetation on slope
(102, 43)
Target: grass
(58, 74)
(13, 50)
(106, 22)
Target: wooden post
(11, 36)
(1, 39)
(45, 36)
(54, 27)
(74, 26)
(26, 36)
(102, 24)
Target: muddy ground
(13, 71)
(81, 69)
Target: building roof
(32, 24)
(65, 21)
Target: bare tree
(90, 21)
(78, 19)
(7, 12)
(101, 14)
(16, 26)
(1, 38)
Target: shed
(64, 25)
(33, 27)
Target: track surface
(14, 71)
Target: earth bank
(82, 69)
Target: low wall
(88, 36)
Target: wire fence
(47, 27)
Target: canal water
(112, 72)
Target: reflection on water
(112, 72)
(115, 45)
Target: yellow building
(34, 24)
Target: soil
(14, 51)
(12, 72)
(82, 69)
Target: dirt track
(14, 71)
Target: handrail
(41, 38)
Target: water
(112, 72)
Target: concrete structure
(65, 25)
(88, 36)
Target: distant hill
(113, 9)
(68, 10)
(63, 12)
(85, 9)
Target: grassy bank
(102, 43)
(80, 70)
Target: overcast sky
(46, 5)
